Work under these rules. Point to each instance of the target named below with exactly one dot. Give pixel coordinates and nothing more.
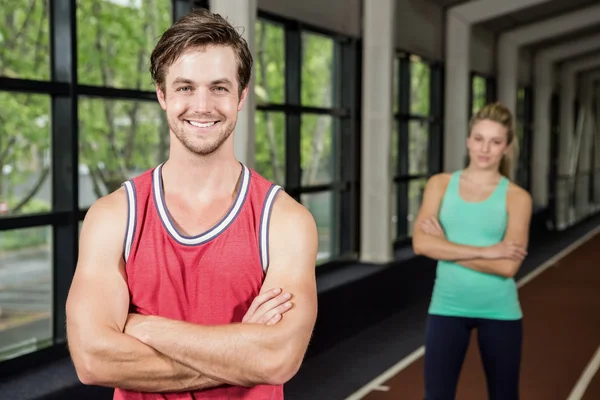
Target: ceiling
(533, 14)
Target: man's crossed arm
(155, 354)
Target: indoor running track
(561, 344)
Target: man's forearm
(439, 248)
(237, 354)
(121, 361)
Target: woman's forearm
(439, 248)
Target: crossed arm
(110, 347)
(503, 259)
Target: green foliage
(24, 238)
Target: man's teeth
(200, 125)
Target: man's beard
(203, 147)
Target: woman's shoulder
(517, 195)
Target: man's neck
(201, 177)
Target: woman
(475, 222)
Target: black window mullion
(65, 177)
(435, 128)
(293, 81)
(349, 131)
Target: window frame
(345, 129)
(402, 119)
(65, 215)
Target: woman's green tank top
(461, 291)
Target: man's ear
(160, 95)
(242, 99)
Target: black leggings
(447, 340)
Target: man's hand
(268, 308)
(431, 226)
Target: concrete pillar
(458, 88)
(242, 14)
(582, 206)
(542, 94)
(377, 101)
(565, 183)
(508, 73)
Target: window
(478, 94)
(303, 114)
(115, 39)
(25, 290)
(65, 140)
(24, 40)
(118, 139)
(524, 134)
(25, 165)
(416, 138)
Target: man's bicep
(98, 297)
(293, 246)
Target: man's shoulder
(290, 215)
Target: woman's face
(487, 144)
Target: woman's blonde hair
(497, 112)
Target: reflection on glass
(316, 155)
(394, 148)
(269, 61)
(420, 76)
(25, 291)
(415, 197)
(269, 151)
(396, 86)
(321, 207)
(418, 132)
(118, 140)
(317, 70)
(115, 39)
(24, 39)
(25, 161)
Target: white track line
(587, 376)
(414, 356)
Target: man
(185, 273)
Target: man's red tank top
(210, 278)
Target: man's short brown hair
(198, 29)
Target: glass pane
(115, 39)
(25, 180)
(269, 61)
(269, 149)
(415, 196)
(24, 45)
(25, 291)
(118, 140)
(396, 86)
(479, 93)
(418, 137)
(321, 207)
(420, 75)
(394, 148)
(394, 210)
(316, 157)
(317, 70)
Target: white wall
(483, 44)
(341, 16)
(420, 28)
(525, 65)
